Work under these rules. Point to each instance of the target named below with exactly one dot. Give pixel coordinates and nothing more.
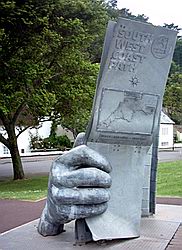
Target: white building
(166, 139)
(43, 130)
(178, 132)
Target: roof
(165, 119)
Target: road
(32, 166)
(169, 155)
(41, 164)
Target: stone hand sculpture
(78, 188)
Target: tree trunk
(16, 159)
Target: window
(164, 131)
(5, 150)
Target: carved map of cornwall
(126, 111)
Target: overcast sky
(158, 11)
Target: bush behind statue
(51, 142)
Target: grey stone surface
(156, 233)
(146, 184)
(125, 118)
(169, 213)
(135, 64)
(78, 188)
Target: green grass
(169, 179)
(169, 183)
(34, 188)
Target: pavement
(14, 213)
(19, 221)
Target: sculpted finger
(79, 140)
(72, 212)
(84, 156)
(89, 177)
(79, 195)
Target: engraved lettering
(134, 35)
(121, 31)
(113, 64)
(122, 66)
(120, 44)
(131, 49)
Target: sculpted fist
(78, 188)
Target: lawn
(169, 183)
(169, 179)
(27, 189)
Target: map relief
(128, 111)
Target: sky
(158, 11)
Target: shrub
(57, 142)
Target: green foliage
(173, 93)
(59, 142)
(177, 57)
(173, 98)
(76, 102)
(24, 75)
(174, 69)
(51, 142)
(127, 14)
(169, 179)
(53, 128)
(48, 50)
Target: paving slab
(169, 212)
(156, 233)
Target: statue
(124, 124)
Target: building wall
(24, 142)
(179, 136)
(166, 136)
(23, 145)
(64, 131)
(43, 130)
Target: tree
(173, 93)
(112, 10)
(173, 97)
(172, 26)
(80, 100)
(112, 4)
(177, 57)
(23, 74)
(174, 69)
(45, 62)
(124, 12)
